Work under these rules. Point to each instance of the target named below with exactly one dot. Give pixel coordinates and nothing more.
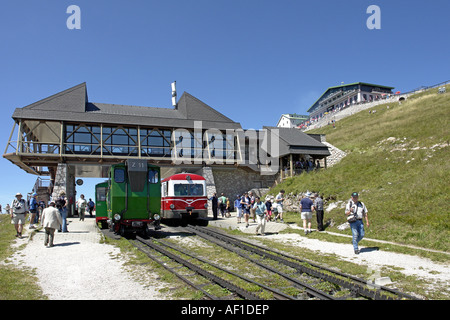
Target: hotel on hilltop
(339, 97)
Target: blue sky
(250, 59)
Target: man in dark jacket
(214, 202)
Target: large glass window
(155, 143)
(82, 139)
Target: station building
(66, 136)
(338, 97)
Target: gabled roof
(73, 105)
(292, 140)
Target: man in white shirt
(81, 204)
(356, 211)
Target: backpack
(352, 216)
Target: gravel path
(423, 268)
(79, 267)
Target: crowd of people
(51, 217)
(248, 206)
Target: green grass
(404, 183)
(15, 283)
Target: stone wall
(234, 181)
(336, 154)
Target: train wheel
(122, 230)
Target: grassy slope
(406, 191)
(15, 283)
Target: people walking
(260, 212)
(214, 201)
(269, 208)
(222, 204)
(246, 204)
(91, 206)
(306, 209)
(318, 205)
(19, 209)
(238, 206)
(51, 220)
(252, 202)
(61, 205)
(33, 206)
(81, 204)
(356, 211)
(279, 205)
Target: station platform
(231, 224)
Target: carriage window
(153, 176)
(119, 175)
(101, 193)
(196, 190)
(188, 189)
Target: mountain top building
(339, 97)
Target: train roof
(183, 176)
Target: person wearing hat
(306, 209)
(51, 220)
(356, 211)
(19, 209)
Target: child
(228, 208)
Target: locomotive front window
(119, 175)
(188, 189)
(153, 176)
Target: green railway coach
(134, 197)
(101, 212)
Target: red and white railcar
(184, 200)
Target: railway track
(307, 278)
(356, 286)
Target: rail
(357, 286)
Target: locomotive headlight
(117, 217)
(172, 206)
(156, 217)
